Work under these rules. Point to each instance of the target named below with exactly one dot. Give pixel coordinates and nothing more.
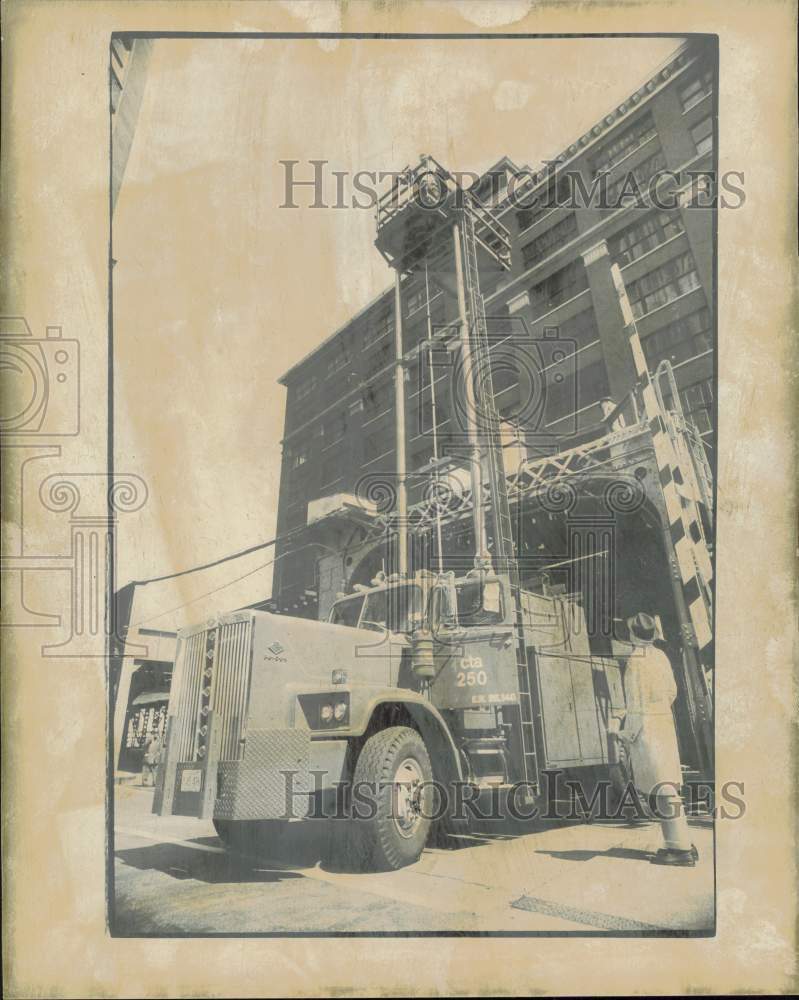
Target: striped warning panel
(693, 561)
(690, 551)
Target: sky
(218, 289)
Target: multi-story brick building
(339, 421)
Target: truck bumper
(279, 775)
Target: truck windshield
(394, 608)
(347, 612)
(471, 605)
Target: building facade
(630, 192)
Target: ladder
(504, 546)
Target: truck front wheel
(392, 801)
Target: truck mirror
(492, 591)
(444, 603)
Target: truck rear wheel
(394, 775)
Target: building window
(702, 134)
(557, 193)
(418, 299)
(298, 456)
(696, 89)
(295, 516)
(503, 379)
(305, 388)
(382, 327)
(644, 236)
(378, 360)
(680, 340)
(581, 328)
(635, 181)
(337, 362)
(559, 287)
(331, 471)
(697, 403)
(376, 399)
(623, 144)
(424, 415)
(545, 244)
(674, 278)
(376, 444)
(417, 329)
(592, 383)
(335, 430)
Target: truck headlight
(327, 710)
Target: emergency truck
(464, 681)
(409, 681)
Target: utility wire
(223, 559)
(228, 583)
(200, 597)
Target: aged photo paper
(399, 498)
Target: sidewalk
(127, 777)
(570, 878)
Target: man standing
(651, 740)
(152, 755)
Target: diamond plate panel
(254, 788)
(592, 918)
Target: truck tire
(394, 771)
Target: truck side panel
(574, 697)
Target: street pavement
(172, 875)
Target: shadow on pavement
(183, 863)
(613, 852)
(327, 843)
(264, 852)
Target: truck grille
(212, 675)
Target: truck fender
(438, 739)
(433, 729)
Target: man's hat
(642, 627)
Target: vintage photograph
(414, 634)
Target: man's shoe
(676, 858)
